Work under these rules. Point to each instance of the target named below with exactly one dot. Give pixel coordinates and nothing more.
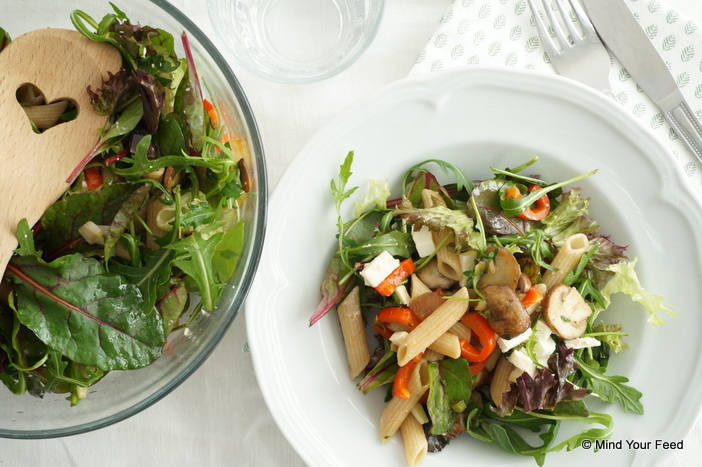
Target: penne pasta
(431, 355)
(461, 330)
(45, 116)
(414, 441)
(432, 198)
(354, 333)
(449, 264)
(447, 344)
(418, 287)
(566, 259)
(436, 324)
(396, 410)
(500, 379)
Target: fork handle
(687, 126)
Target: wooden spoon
(34, 166)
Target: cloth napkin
(503, 33)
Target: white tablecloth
(218, 417)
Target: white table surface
(218, 416)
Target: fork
(581, 57)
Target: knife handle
(687, 127)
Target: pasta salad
(476, 306)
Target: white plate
(477, 118)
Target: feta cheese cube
(523, 362)
(376, 271)
(467, 261)
(423, 241)
(542, 329)
(402, 294)
(506, 344)
(581, 342)
(543, 349)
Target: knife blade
(620, 31)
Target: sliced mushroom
(504, 311)
(172, 177)
(432, 278)
(504, 270)
(523, 283)
(566, 311)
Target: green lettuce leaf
(569, 218)
(625, 280)
(378, 194)
(441, 217)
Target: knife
(620, 31)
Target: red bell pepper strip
(395, 278)
(401, 315)
(531, 297)
(212, 112)
(477, 367)
(485, 334)
(93, 178)
(400, 387)
(383, 331)
(541, 206)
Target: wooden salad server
(34, 167)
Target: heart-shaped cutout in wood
(34, 167)
(42, 114)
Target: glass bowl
(296, 41)
(122, 394)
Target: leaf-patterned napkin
(503, 33)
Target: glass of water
(296, 41)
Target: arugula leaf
(90, 316)
(612, 388)
(509, 440)
(462, 182)
(141, 165)
(340, 194)
(155, 271)
(592, 434)
(516, 206)
(395, 242)
(194, 256)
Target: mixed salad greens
(145, 237)
(511, 218)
